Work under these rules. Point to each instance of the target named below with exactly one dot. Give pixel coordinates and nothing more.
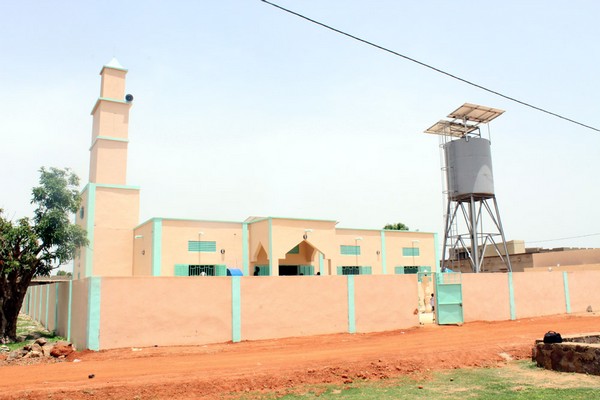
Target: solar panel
(475, 113)
(450, 128)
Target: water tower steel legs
(475, 250)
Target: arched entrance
(299, 260)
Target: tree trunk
(12, 292)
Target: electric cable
(564, 238)
(431, 67)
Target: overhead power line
(431, 67)
(565, 238)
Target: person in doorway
(432, 303)
(256, 271)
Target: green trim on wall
(270, 246)
(321, 263)
(111, 99)
(245, 250)
(166, 219)
(511, 297)
(69, 309)
(93, 317)
(89, 226)
(100, 99)
(383, 254)
(567, 294)
(236, 310)
(293, 219)
(108, 138)
(351, 308)
(110, 186)
(437, 251)
(156, 246)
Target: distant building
(532, 259)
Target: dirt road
(274, 366)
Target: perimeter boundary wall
(114, 312)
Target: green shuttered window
(346, 250)
(410, 251)
(202, 246)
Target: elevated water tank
(469, 173)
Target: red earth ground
(230, 369)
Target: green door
(448, 293)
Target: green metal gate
(448, 294)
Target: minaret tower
(110, 208)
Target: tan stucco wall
(275, 307)
(568, 257)
(583, 289)
(165, 311)
(177, 233)
(369, 245)
(79, 313)
(538, 294)
(397, 240)
(111, 119)
(51, 322)
(287, 233)
(112, 85)
(116, 215)
(142, 250)
(147, 311)
(259, 243)
(485, 297)
(63, 310)
(108, 162)
(384, 303)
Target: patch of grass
(520, 380)
(30, 330)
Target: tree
(34, 247)
(397, 227)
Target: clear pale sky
(242, 110)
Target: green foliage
(36, 246)
(29, 330)
(396, 227)
(516, 381)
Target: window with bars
(353, 270)
(407, 270)
(200, 270)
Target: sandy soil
(229, 369)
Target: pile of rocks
(41, 348)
